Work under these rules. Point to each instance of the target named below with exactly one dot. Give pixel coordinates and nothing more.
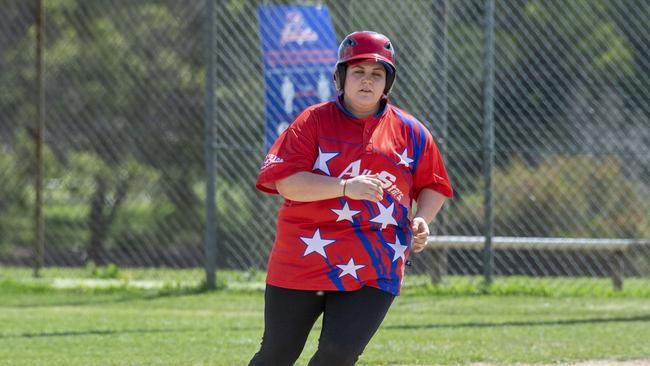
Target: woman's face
(364, 86)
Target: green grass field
(184, 326)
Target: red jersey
(341, 243)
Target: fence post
(617, 268)
(440, 70)
(488, 138)
(441, 112)
(210, 158)
(39, 227)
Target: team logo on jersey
(388, 181)
(271, 159)
(295, 30)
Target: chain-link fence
(125, 113)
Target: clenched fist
(364, 187)
(420, 234)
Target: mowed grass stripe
(57, 327)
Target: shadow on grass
(642, 318)
(31, 296)
(99, 332)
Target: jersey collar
(380, 112)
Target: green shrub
(109, 271)
(17, 197)
(577, 196)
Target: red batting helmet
(365, 45)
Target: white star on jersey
(316, 244)
(399, 249)
(321, 161)
(385, 216)
(350, 268)
(404, 158)
(345, 213)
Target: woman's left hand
(420, 234)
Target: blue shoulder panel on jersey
(418, 142)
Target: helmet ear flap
(339, 77)
(390, 79)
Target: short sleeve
(295, 150)
(431, 172)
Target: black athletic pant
(350, 319)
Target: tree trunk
(97, 224)
(102, 216)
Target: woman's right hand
(364, 187)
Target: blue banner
(299, 52)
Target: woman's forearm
(429, 204)
(308, 187)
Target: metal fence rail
(124, 161)
(612, 254)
